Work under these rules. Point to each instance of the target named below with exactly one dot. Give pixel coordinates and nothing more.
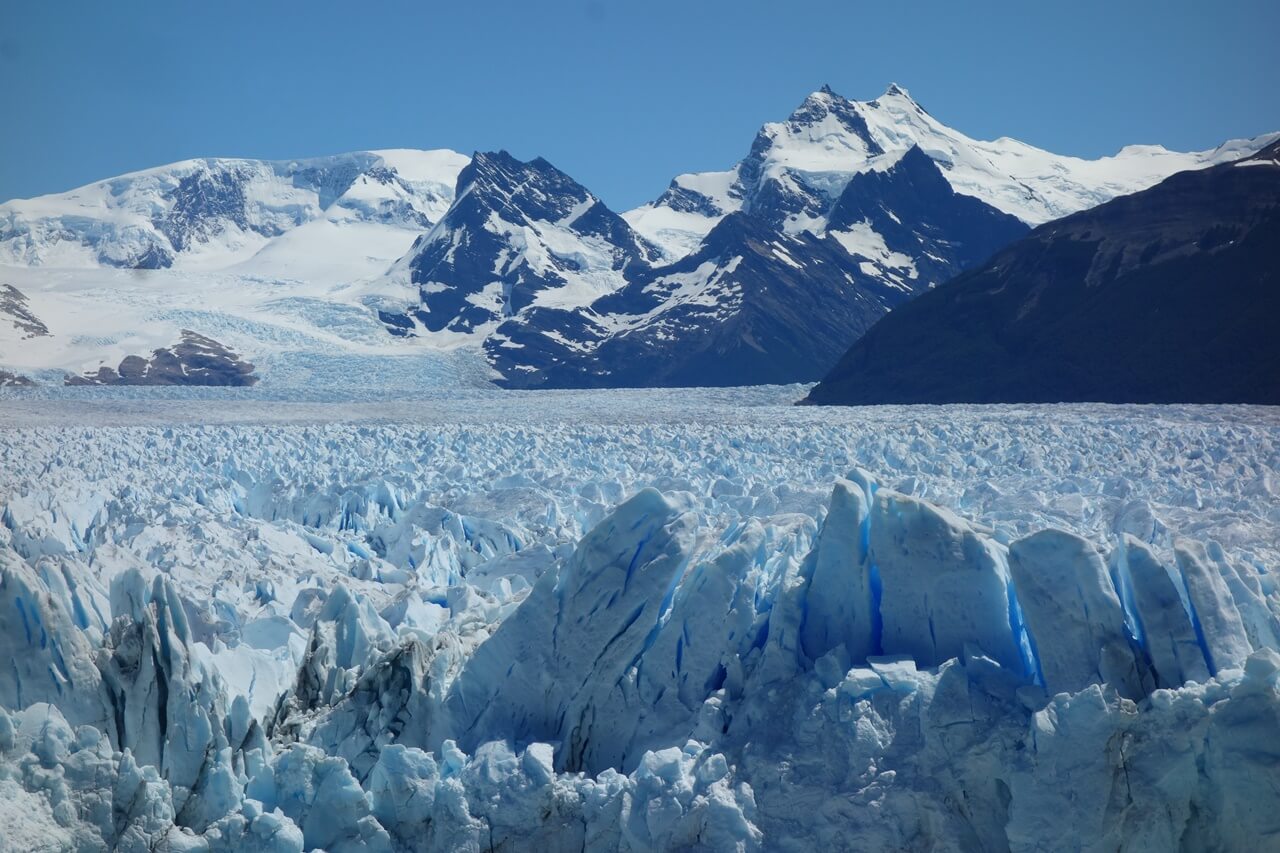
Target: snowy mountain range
(816, 151)
(518, 235)
(514, 272)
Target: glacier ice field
(635, 620)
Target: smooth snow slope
(273, 259)
(637, 620)
(212, 213)
(303, 334)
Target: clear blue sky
(622, 95)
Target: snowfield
(634, 620)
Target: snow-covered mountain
(518, 235)
(513, 271)
(1166, 295)
(761, 303)
(797, 167)
(771, 269)
(261, 257)
(215, 213)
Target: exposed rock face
(1167, 295)
(195, 360)
(15, 308)
(496, 268)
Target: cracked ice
(638, 621)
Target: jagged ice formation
(740, 628)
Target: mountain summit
(213, 213)
(519, 234)
(795, 163)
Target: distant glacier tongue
(659, 622)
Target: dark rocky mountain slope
(756, 304)
(1167, 295)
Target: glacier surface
(635, 621)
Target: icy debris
(347, 635)
(318, 794)
(1184, 771)
(70, 789)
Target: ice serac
(1074, 616)
(346, 636)
(1176, 768)
(548, 668)
(753, 658)
(1159, 615)
(695, 660)
(1218, 626)
(396, 701)
(168, 710)
(147, 714)
(943, 585)
(843, 610)
(49, 630)
(318, 793)
(501, 798)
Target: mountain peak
(535, 181)
(821, 103)
(822, 100)
(895, 90)
(499, 157)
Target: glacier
(635, 620)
